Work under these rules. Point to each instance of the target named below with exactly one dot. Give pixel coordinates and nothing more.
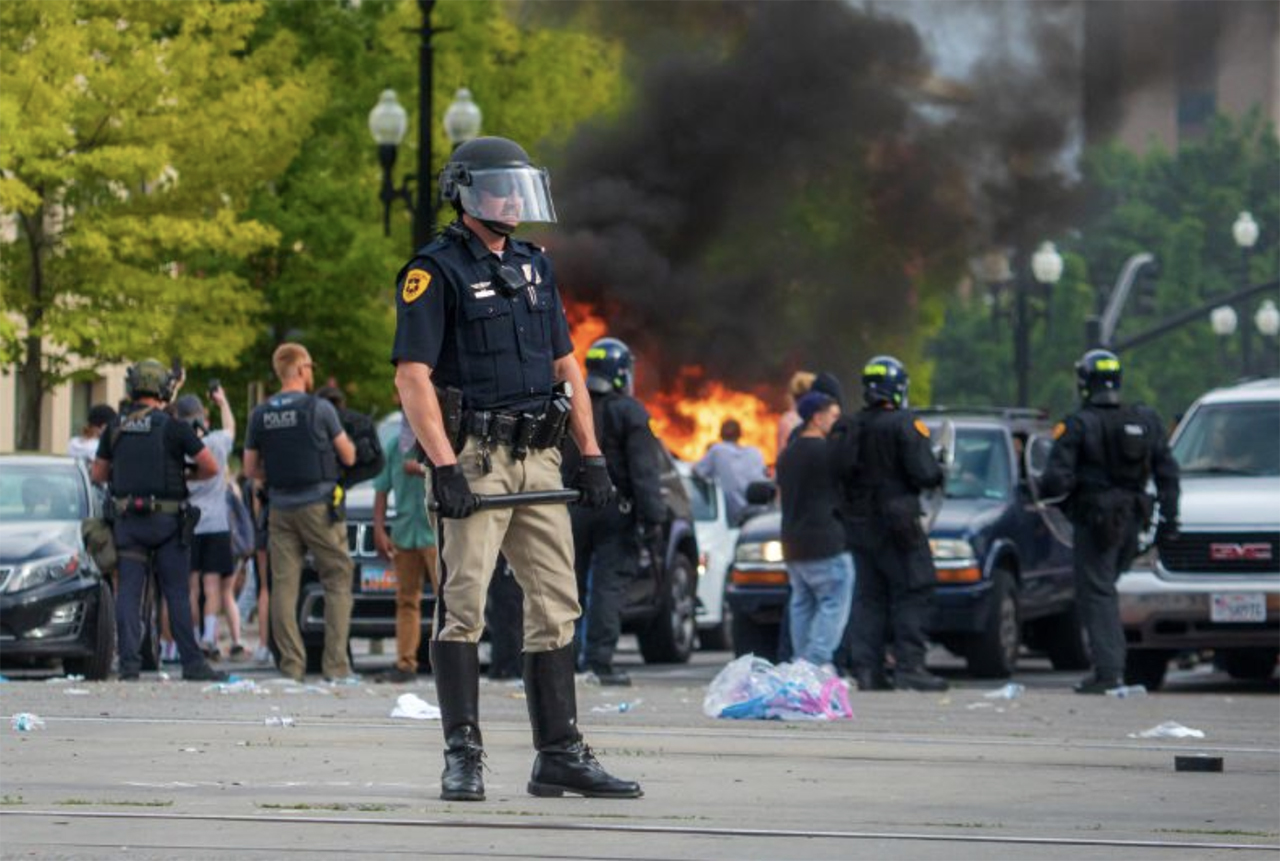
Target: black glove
(453, 493)
(1166, 531)
(593, 482)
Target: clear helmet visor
(510, 195)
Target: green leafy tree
(132, 135)
(1179, 207)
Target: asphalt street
(172, 770)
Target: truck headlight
(760, 551)
(41, 571)
(952, 551)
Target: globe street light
(1245, 232)
(1223, 321)
(388, 122)
(462, 119)
(1046, 268)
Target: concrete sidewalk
(162, 770)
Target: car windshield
(1231, 439)
(702, 495)
(41, 492)
(981, 467)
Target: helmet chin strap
(498, 227)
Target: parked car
(1004, 563)
(716, 541)
(659, 606)
(54, 603)
(1218, 586)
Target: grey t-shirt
(326, 429)
(210, 495)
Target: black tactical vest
(1118, 446)
(143, 463)
(291, 453)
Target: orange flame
(687, 416)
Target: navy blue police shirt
(494, 342)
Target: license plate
(377, 578)
(1238, 607)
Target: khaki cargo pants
(536, 539)
(291, 533)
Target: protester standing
(734, 466)
(84, 446)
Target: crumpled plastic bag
(751, 688)
(414, 707)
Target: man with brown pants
(295, 442)
(410, 548)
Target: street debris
(1199, 762)
(280, 720)
(1010, 691)
(1169, 729)
(752, 688)
(414, 707)
(1126, 691)
(616, 708)
(26, 722)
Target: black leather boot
(457, 671)
(565, 763)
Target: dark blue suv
(1004, 564)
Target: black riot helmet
(1098, 377)
(609, 367)
(884, 381)
(149, 378)
(491, 180)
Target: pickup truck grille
(360, 539)
(1223, 553)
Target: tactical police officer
(1103, 456)
(142, 454)
(296, 441)
(607, 541)
(883, 460)
(481, 345)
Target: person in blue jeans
(819, 566)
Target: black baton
(511, 500)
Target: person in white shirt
(84, 447)
(212, 564)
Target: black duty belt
(148, 505)
(520, 431)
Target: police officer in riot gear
(295, 442)
(143, 455)
(883, 460)
(1104, 454)
(481, 350)
(607, 541)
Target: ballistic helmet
(149, 377)
(609, 367)
(884, 380)
(491, 180)
(1098, 377)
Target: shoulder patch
(921, 428)
(1059, 429)
(415, 284)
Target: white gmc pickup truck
(1218, 586)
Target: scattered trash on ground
(280, 720)
(1010, 691)
(63, 680)
(752, 688)
(975, 706)
(1127, 691)
(26, 721)
(76, 692)
(1199, 762)
(3, 679)
(1169, 729)
(616, 708)
(232, 686)
(414, 707)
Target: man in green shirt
(410, 547)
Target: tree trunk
(32, 392)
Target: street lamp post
(1223, 321)
(1046, 268)
(1245, 232)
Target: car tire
(669, 637)
(993, 652)
(97, 667)
(1064, 640)
(1146, 667)
(1252, 664)
(751, 637)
